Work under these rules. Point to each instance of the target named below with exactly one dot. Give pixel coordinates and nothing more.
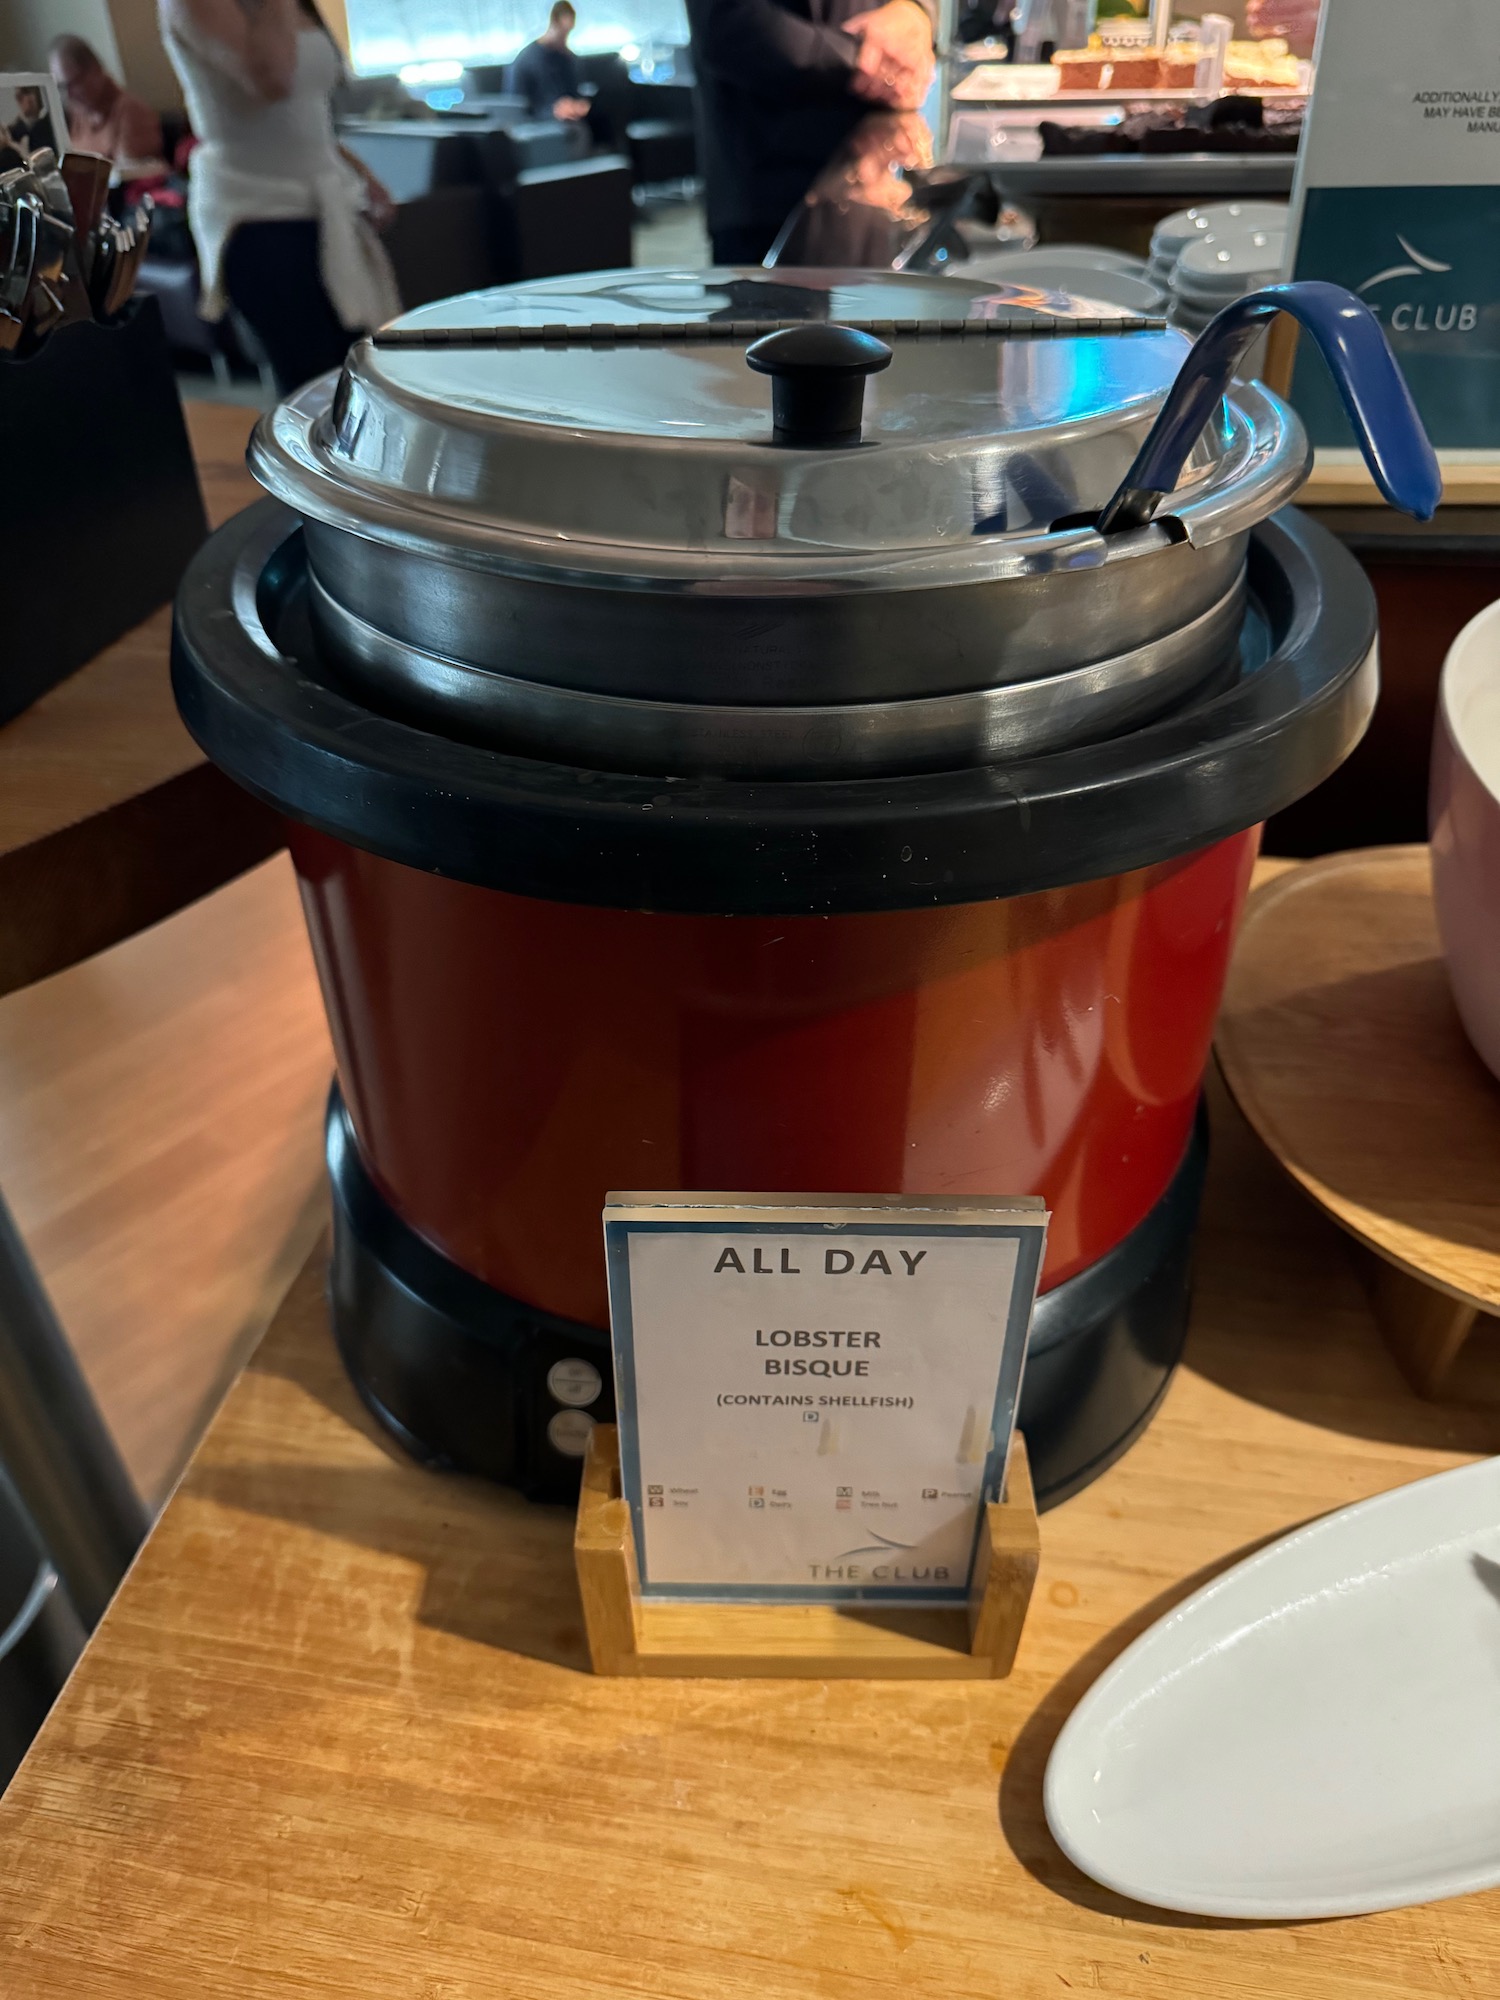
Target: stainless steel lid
(657, 463)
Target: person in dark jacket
(548, 74)
(781, 85)
(33, 129)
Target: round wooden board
(1341, 1043)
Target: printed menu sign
(816, 1396)
(1398, 197)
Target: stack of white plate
(1169, 239)
(1222, 219)
(1218, 269)
(1107, 277)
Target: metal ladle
(1366, 373)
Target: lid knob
(817, 376)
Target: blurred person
(781, 85)
(103, 117)
(32, 129)
(1038, 27)
(548, 74)
(283, 218)
(862, 209)
(985, 21)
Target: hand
(882, 147)
(894, 66)
(571, 109)
(380, 206)
(1295, 21)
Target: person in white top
(284, 220)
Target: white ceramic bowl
(1464, 820)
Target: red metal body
(507, 1061)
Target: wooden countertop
(110, 817)
(336, 1736)
(160, 1139)
(1339, 479)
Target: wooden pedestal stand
(630, 1635)
(1341, 1043)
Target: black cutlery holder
(102, 507)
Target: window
(386, 35)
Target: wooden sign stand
(631, 1635)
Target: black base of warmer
(458, 1372)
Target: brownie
(1073, 141)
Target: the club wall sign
(1398, 197)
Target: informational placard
(816, 1395)
(1398, 197)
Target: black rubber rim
(411, 1260)
(430, 1347)
(718, 847)
(1106, 1342)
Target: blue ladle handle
(1370, 384)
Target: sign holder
(629, 1635)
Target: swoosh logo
(882, 1546)
(1414, 269)
(1426, 263)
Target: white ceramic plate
(1314, 1734)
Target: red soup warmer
(782, 734)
